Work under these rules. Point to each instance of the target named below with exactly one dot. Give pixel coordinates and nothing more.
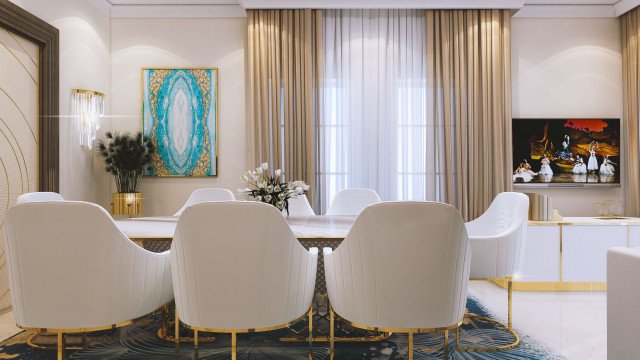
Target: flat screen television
(566, 151)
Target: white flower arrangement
(272, 189)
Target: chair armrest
(327, 251)
(511, 229)
(486, 261)
(313, 251)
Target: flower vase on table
(271, 188)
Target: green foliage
(127, 157)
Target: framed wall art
(180, 116)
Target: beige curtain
(469, 77)
(630, 84)
(283, 76)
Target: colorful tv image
(566, 151)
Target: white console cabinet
(571, 255)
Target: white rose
(270, 188)
(299, 190)
(306, 187)
(267, 198)
(278, 172)
(259, 170)
(258, 198)
(265, 166)
(280, 204)
(277, 188)
(282, 195)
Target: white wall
(561, 68)
(84, 63)
(143, 43)
(568, 68)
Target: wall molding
(566, 11)
(623, 6)
(177, 11)
(236, 8)
(26, 25)
(382, 4)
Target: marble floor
(572, 323)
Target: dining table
(156, 233)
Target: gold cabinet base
(129, 204)
(553, 286)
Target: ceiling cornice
(623, 6)
(177, 11)
(566, 11)
(381, 4)
(102, 5)
(229, 10)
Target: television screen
(566, 151)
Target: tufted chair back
(237, 265)
(403, 265)
(71, 267)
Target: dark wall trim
(21, 22)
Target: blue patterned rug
(140, 341)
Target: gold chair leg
(509, 302)
(60, 346)
(176, 330)
(195, 344)
(311, 333)
(331, 334)
(234, 346)
(508, 327)
(410, 346)
(446, 344)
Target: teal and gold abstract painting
(179, 115)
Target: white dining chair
(207, 194)
(498, 238)
(238, 268)
(39, 196)
(71, 270)
(403, 267)
(352, 201)
(299, 206)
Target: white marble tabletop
(569, 220)
(303, 227)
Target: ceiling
(391, 2)
(236, 8)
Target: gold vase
(129, 204)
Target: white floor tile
(572, 323)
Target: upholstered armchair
(207, 194)
(403, 267)
(498, 239)
(71, 270)
(352, 201)
(238, 268)
(39, 196)
(623, 303)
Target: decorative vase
(129, 204)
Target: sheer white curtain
(374, 129)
